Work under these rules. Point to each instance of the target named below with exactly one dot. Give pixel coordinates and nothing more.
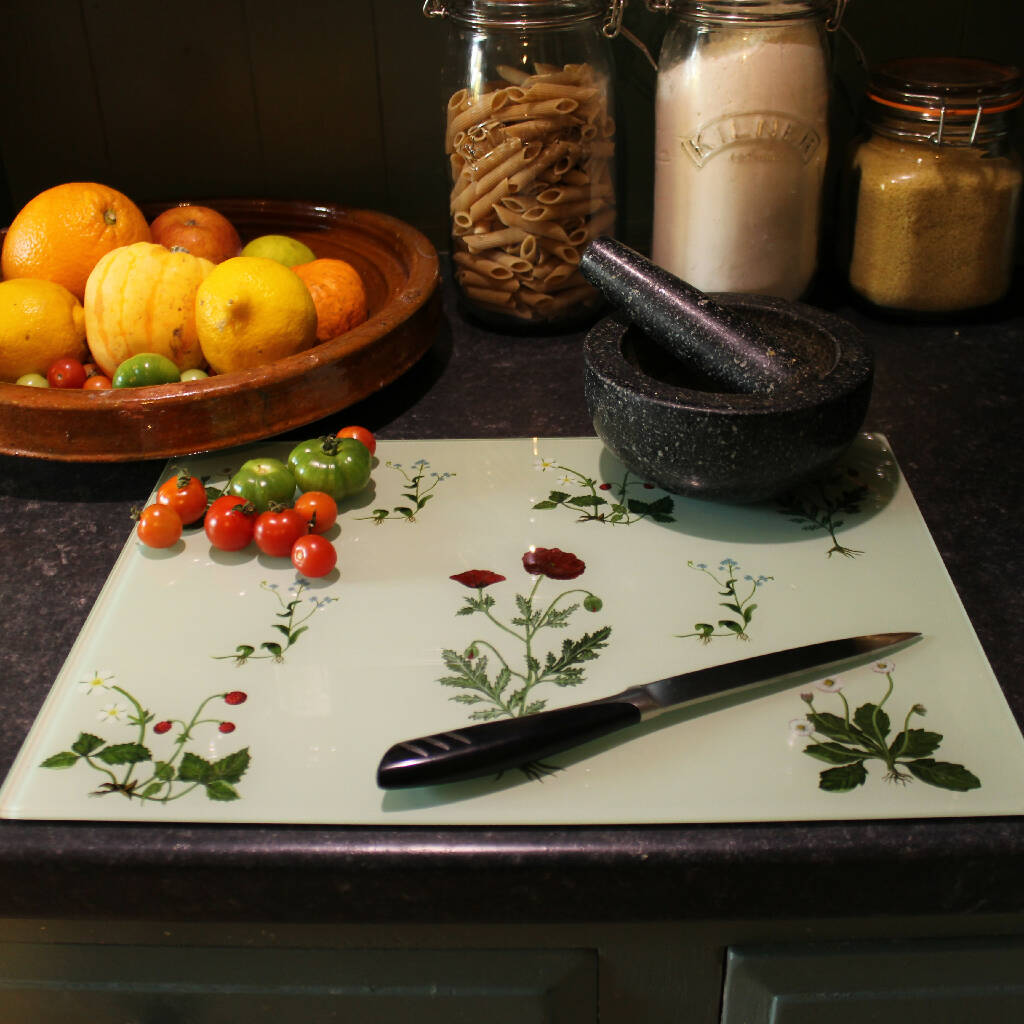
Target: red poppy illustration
(553, 563)
(474, 578)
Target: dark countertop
(948, 397)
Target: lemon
(40, 322)
(251, 311)
(289, 251)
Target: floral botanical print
(613, 505)
(848, 741)
(419, 488)
(130, 767)
(819, 505)
(294, 613)
(508, 690)
(739, 600)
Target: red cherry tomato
(184, 493)
(159, 526)
(360, 434)
(66, 373)
(229, 523)
(97, 382)
(319, 510)
(314, 555)
(276, 531)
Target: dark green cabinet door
(926, 982)
(79, 984)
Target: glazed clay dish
(399, 268)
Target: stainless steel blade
(652, 699)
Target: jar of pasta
(530, 141)
(934, 186)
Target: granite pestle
(689, 324)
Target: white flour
(740, 149)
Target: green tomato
(33, 380)
(194, 375)
(264, 482)
(339, 466)
(144, 370)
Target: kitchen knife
(491, 747)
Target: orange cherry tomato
(185, 494)
(159, 526)
(319, 510)
(360, 434)
(97, 382)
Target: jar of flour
(741, 142)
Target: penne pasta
(531, 183)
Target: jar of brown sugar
(934, 185)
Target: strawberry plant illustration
(820, 504)
(849, 741)
(741, 605)
(132, 768)
(615, 509)
(510, 691)
(294, 614)
(419, 489)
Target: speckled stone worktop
(948, 397)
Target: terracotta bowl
(399, 268)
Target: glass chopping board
(247, 693)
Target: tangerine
(62, 233)
(338, 294)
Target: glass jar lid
(950, 89)
(754, 10)
(522, 13)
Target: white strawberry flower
(111, 713)
(99, 680)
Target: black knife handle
(496, 746)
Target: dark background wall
(335, 100)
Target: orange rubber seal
(954, 111)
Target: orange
(61, 234)
(338, 294)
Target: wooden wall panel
(327, 99)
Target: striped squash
(142, 298)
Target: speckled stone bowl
(666, 423)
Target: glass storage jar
(530, 142)
(934, 186)
(741, 142)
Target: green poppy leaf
(546, 504)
